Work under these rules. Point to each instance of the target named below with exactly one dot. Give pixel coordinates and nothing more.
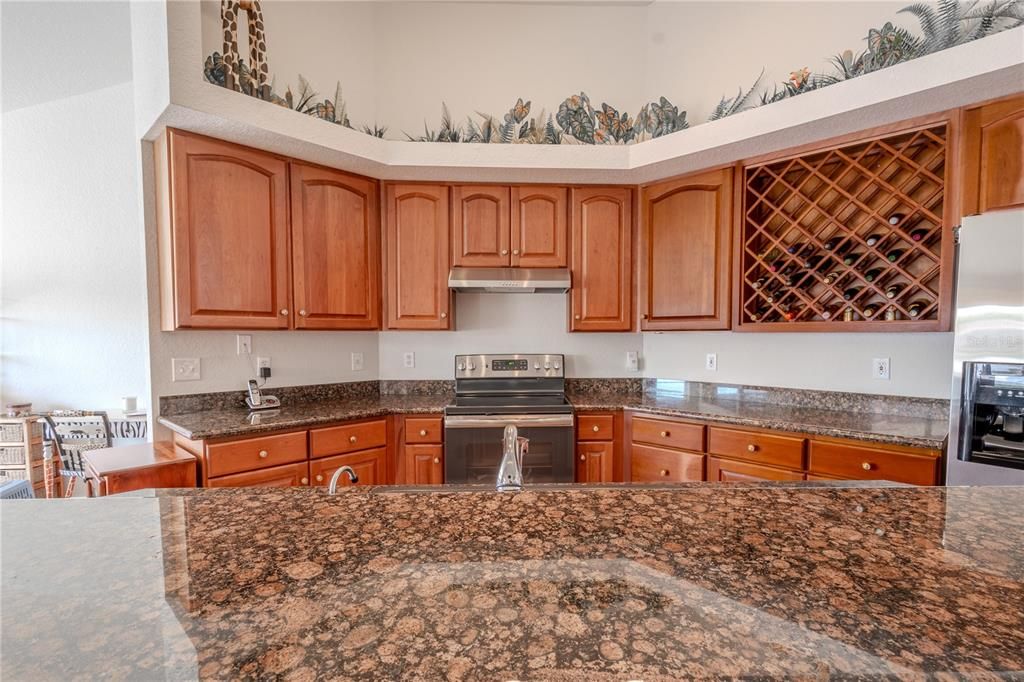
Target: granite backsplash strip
(597, 387)
(417, 387)
(905, 406)
(199, 402)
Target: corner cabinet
(686, 227)
(602, 246)
(224, 259)
(336, 249)
(417, 262)
(993, 156)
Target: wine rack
(848, 238)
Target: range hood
(510, 280)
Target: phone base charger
(268, 402)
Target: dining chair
(74, 432)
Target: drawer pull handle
(596, 428)
(423, 432)
(444, 315)
(664, 472)
(263, 454)
(351, 439)
(305, 480)
(752, 448)
(437, 460)
(665, 434)
(867, 466)
(319, 478)
(583, 458)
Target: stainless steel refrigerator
(986, 437)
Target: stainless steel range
(495, 391)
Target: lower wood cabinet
(848, 461)
(422, 456)
(370, 466)
(594, 460)
(248, 454)
(599, 447)
(758, 447)
(731, 471)
(650, 464)
(275, 477)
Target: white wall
(921, 364)
(506, 323)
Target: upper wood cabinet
(223, 235)
(498, 226)
(480, 226)
(684, 254)
(540, 219)
(417, 262)
(602, 243)
(336, 249)
(993, 156)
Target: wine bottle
(795, 248)
(893, 290)
(851, 293)
(795, 278)
(759, 282)
(761, 315)
(829, 312)
(919, 234)
(851, 258)
(890, 314)
(848, 315)
(832, 244)
(873, 239)
(832, 276)
(917, 307)
(769, 254)
(896, 218)
(813, 262)
(790, 313)
(873, 274)
(869, 312)
(894, 255)
(777, 265)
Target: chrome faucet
(333, 487)
(510, 473)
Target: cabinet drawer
(729, 471)
(255, 453)
(761, 448)
(595, 427)
(423, 430)
(272, 477)
(369, 466)
(852, 461)
(337, 440)
(669, 434)
(657, 464)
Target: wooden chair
(75, 432)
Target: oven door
(473, 447)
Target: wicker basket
(12, 433)
(12, 454)
(22, 473)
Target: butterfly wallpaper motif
(577, 121)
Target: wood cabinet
(599, 447)
(684, 254)
(540, 227)
(650, 464)
(892, 463)
(480, 226)
(993, 156)
(731, 471)
(223, 244)
(284, 476)
(336, 249)
(757, 446)
(668, 433)
(602, 259)
(418, 256)
(110, 471)
(422, 458)
(370, 466)
(594, 461)
(247, 454)
(335, 440)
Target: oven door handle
(533, 421)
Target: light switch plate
(244, 344)
(711, 362)
(409, 359)
(632, 361)
(880, 368)
(185, 369)
(357, 362)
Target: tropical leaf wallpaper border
(576, 121)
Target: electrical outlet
(244, 344)
(632, 361)
(409, 359)
(711, 362)
(262, 362)
(357, 362)
(185, 369)
(880, 368)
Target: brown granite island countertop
(603, 584)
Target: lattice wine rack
(848, 238)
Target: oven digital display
(510, 365)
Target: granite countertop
(653, 584)
(231, 421)
(894, 429)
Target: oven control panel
(510, 366)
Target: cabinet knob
(583, 458)
(644, 316)
(437, 460)
(305, 480)
(263, 454)
(444, 315)
(351, 439)
(596, 428)
(423, 432)
(751, 448)
(504, 252)
(577, 317)
(319, 477)
(284, 311)
(867, 466)
(664, 472)
(665, 434)
(515, 252)
(302, 313)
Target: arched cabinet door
(602, 243)
(993, 156)
(418, 257)
(335, 249)
(684, 253)
(540, 218)
(224, 255)
(480, 233)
